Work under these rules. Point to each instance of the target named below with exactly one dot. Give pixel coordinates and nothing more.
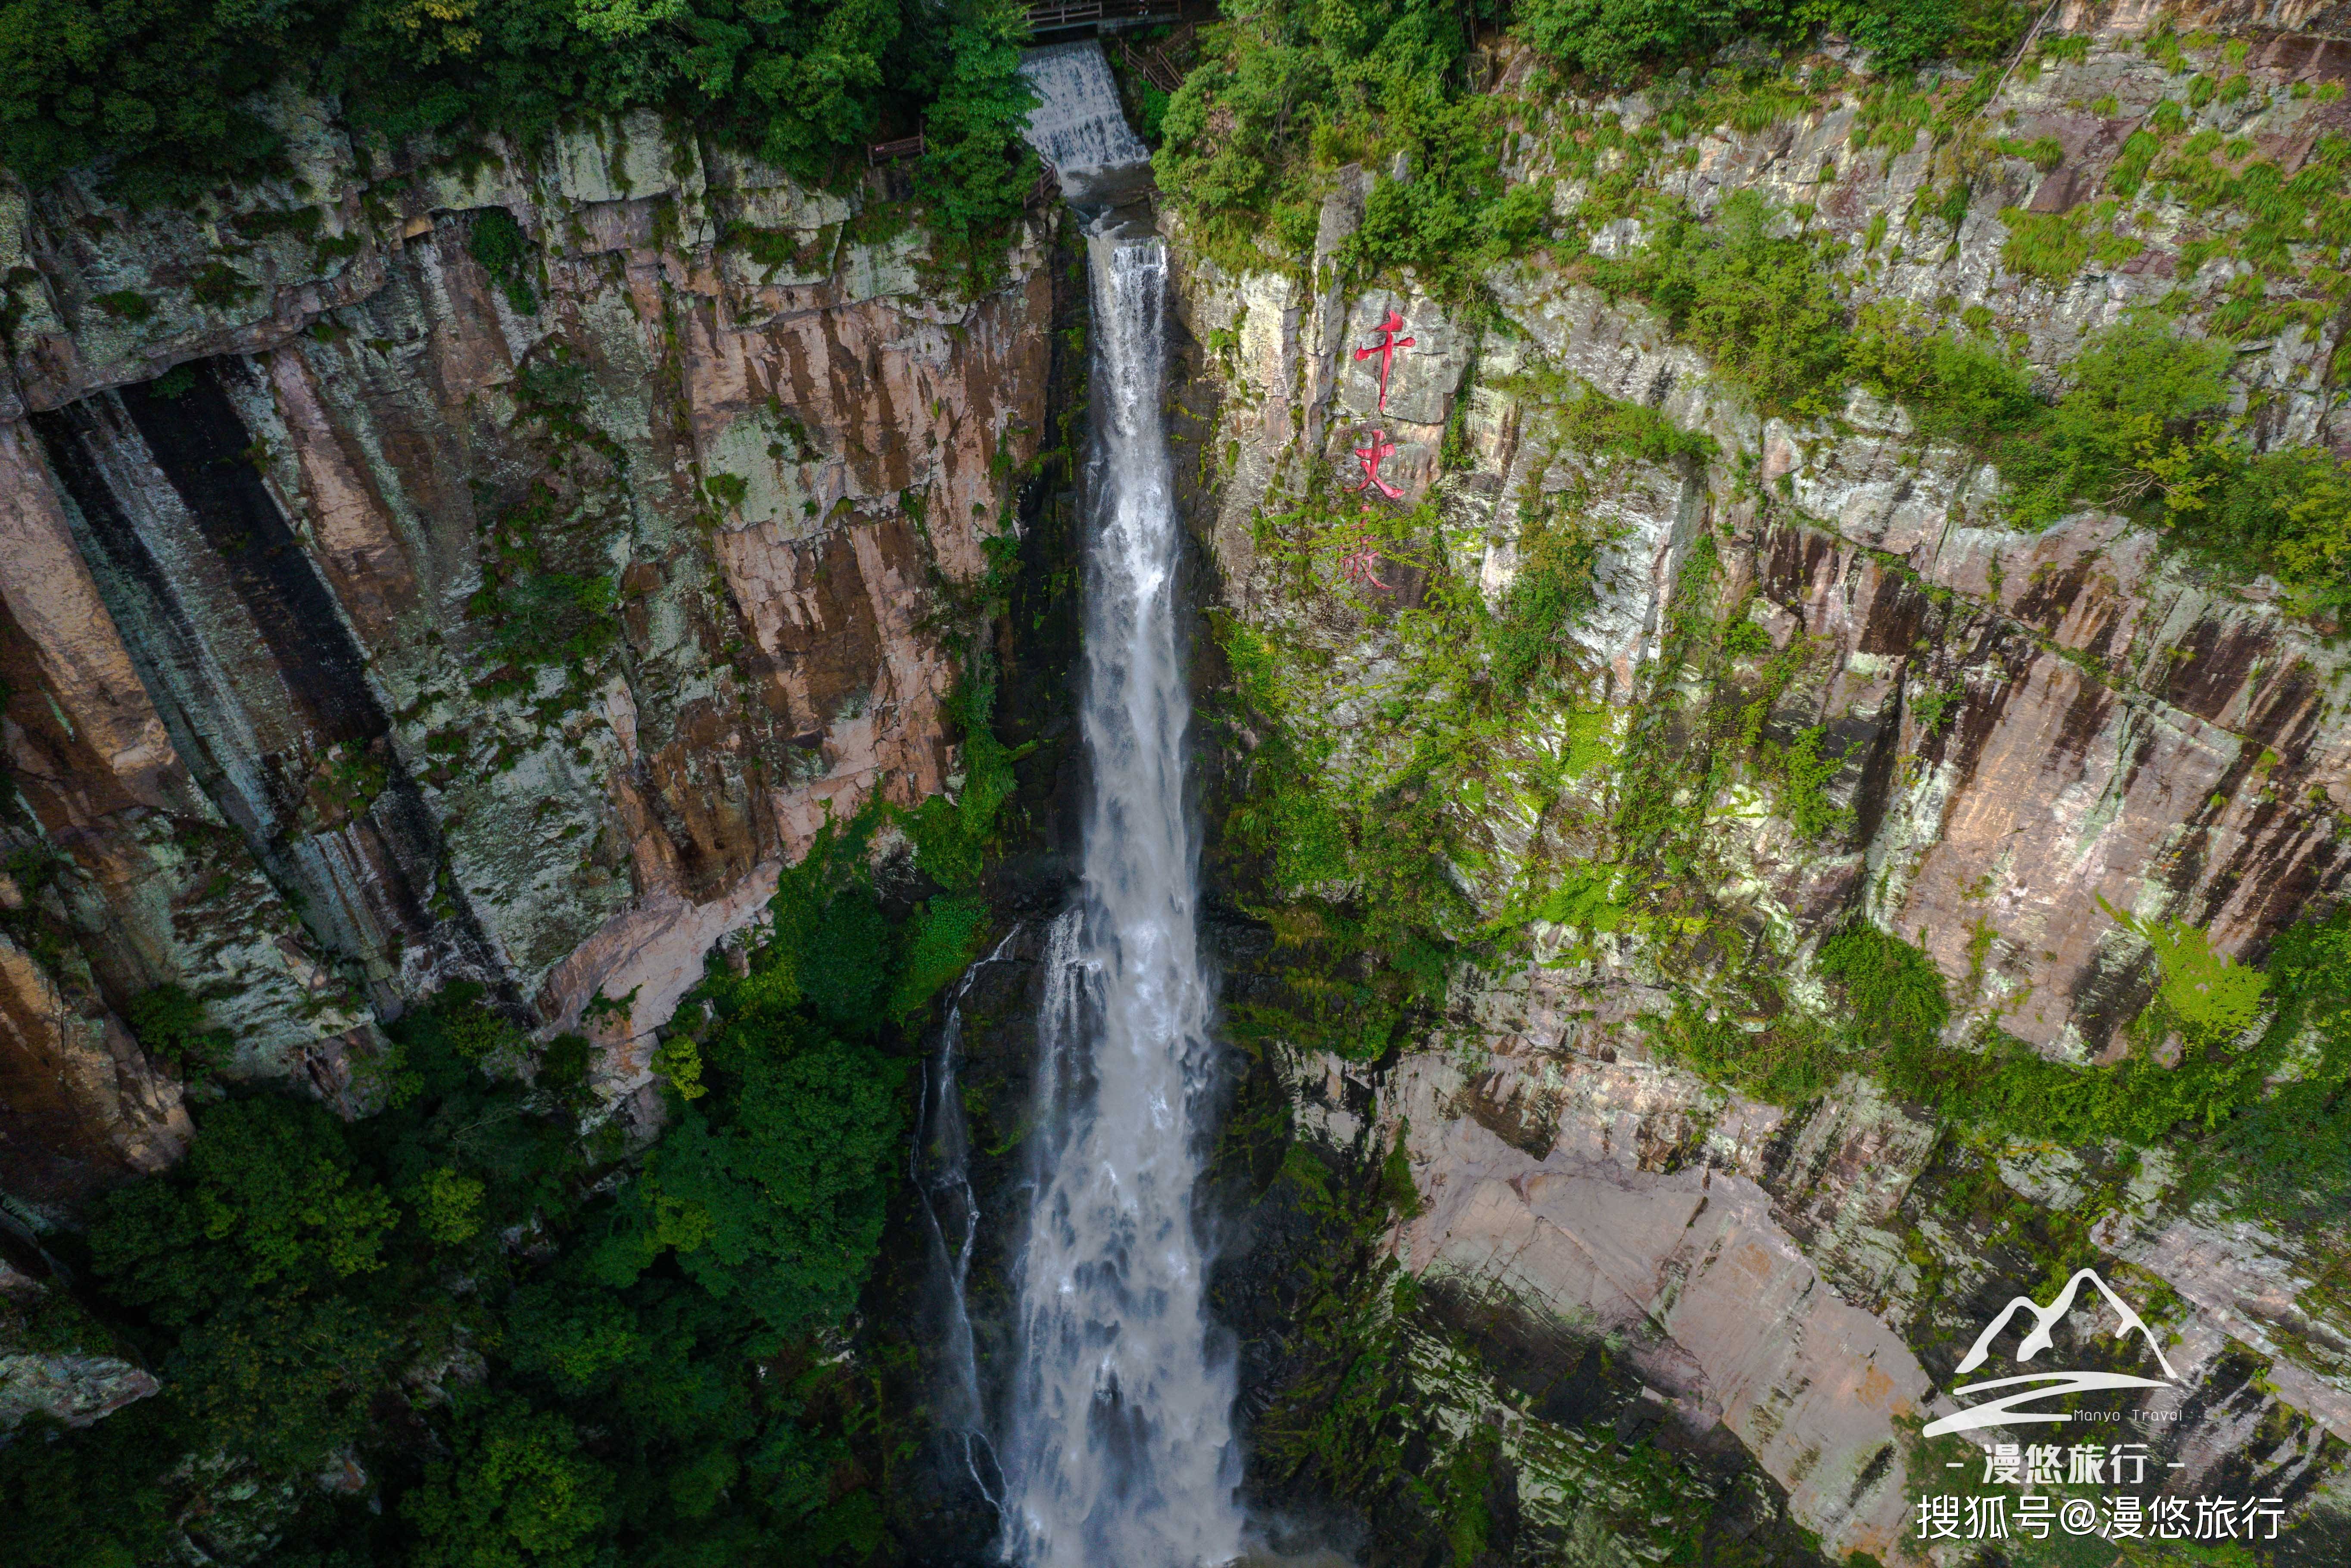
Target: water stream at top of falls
(1077, 126)
(1120, 1451)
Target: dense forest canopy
(541, 1348)
(164, 92)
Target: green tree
(281, 1384)
(577, 1337)
(976, 167)
(781, 1205)
(1612, 39)
(165, 93)
(449, 1205)
(269, 1198)
(2135, 419)
(89, 1499)
(515, 1493)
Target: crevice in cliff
(205, 452)
(367, 886)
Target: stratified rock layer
(378, 616)
(2041, 734)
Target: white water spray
(1077, 126)
(940, 1168)
(1120, 1451)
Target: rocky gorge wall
(2038, 734)
(429, 568)
(464, 570)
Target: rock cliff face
(2039, 733)
(487, 569)
(69, 1384)
(493, 570)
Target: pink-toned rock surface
(1713, 1299)
(2041, 736)
(770, 474)
(79, 1104)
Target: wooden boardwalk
(1056, 16)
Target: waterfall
(1120, 1451)
(940, 1168)
(1077, 126)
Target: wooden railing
(882, 152)
(1049, 15)
(1151, 64)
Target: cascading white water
(1120, 1447)
(1077, 126)
(1120, 1451)
(940, 1167)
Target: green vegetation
(2142, 423)
(125, 305)
(497, 243)
(170, 1024)
(1360, 839)
(1894, 990)
(1954, 388)
(951, 837)
(1897, 1011)
(1762, 306)
(536, 614)
(1388, 1395)
(163, 95)
(1805, 773)
(2143, 426)
(1560, 540)
(2133, 391)
(2208, 998)
(1609, 38)
(2293, 1145)
(1353, 851)
(547, 598)
(539, 1348)
(1289, 92)
(2054, 246)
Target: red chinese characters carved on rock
(1386, 349)
(1371, 455)
(1361, 564)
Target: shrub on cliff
(2292, 1145)
(1956, 389)
(2144, 426)
(164, 93)
(1289, 92)
(1613, 39)
(2000, 1084)
(169, 1023)
(1893, 989)
(1757, 301)
(2141, 421)
(2129, 423)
